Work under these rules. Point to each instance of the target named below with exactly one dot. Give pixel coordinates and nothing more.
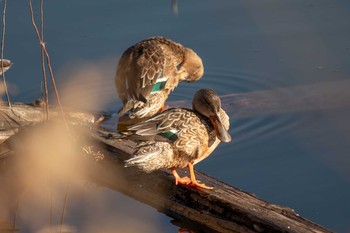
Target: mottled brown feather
(194, 133)
(142, 65)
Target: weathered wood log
(27, 114)
(224, 209)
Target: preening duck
(149, 70)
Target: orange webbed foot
(181, 180)
(196, 184)
(192, 182)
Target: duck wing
(167, 122)
(181, 127)
(139, 69)
(151, 156)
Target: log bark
(223, 209)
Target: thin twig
(64, 206)
(46, 98)
(15, 217)
(20, 198)
(48, 63)
(51, 200)
(2, 53)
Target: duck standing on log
(148, 71)
(180, 137)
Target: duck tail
(152, 157)
(126, 107)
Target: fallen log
(223, 209)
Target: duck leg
(180, 180)
(194, 182)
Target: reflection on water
(297, 156)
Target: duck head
(208, 103)
(192, 64)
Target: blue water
(297, 159)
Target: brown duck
(5, 65)
(149, 70)
(180, 137)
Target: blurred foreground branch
(224, 209)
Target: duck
(5, 65)
(149, 70)
(178, 137)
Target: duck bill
(221, 133)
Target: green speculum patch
(158, 86)
(169, 135)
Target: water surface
(297, 159)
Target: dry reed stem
(46, 98)
(2, 53)
(65, 206)
(48, 63)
